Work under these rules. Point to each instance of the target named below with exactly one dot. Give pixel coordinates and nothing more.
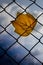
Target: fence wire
(4, 29)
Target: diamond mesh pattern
(9, 48)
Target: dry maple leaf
(24, 24)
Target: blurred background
(15, 49)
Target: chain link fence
(27, 52)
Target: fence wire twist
(29, 51)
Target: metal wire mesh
(16, 39)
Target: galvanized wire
(29, 51)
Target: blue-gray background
(17, 52)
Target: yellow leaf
(24, 24)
